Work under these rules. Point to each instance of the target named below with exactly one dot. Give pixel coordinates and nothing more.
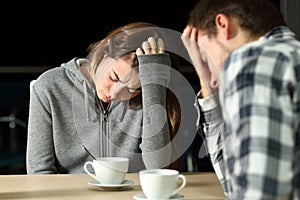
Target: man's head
(255, 16)
(219, 27)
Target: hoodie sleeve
(154, 71)
(40, 152)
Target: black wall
(50, 32)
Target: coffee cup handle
(87, 171)
(180, 176)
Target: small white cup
(161, 183)
(108, 170)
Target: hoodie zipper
(104, 111)
(105, 115)
(104, 143)
(105, 135)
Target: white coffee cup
(161, 183)
(108, 170)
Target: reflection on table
(200, 185)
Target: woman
(114, 103)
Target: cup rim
(170, 172)
(112, 159)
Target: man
(248, 62)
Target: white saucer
(123, 184)
(143, 197)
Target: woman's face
(115, 80)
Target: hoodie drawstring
(86, 101)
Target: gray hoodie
(65, 114)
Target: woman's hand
(151, 47)
(155, 68)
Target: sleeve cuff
(208, 103)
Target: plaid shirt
(253, 137)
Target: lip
(106, 98)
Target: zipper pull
(105, 115)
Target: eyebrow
(139, 88)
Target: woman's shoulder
(49, 77)
(58, 74)
(54, 78)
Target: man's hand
(199, 60)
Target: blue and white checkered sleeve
(210, 130)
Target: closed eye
(113, 79)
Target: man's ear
(223, 26)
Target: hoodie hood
(81, 83)
(73, 70)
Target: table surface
(200, 185)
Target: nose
(118, 92)
(115, 90)
(111, 92)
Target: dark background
(47, 33)
(38, 35)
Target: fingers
(194, 35)
(151, 46)
(146, 47)
(186, 32)
(139, 51)
(161, 46)
(185, 37)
